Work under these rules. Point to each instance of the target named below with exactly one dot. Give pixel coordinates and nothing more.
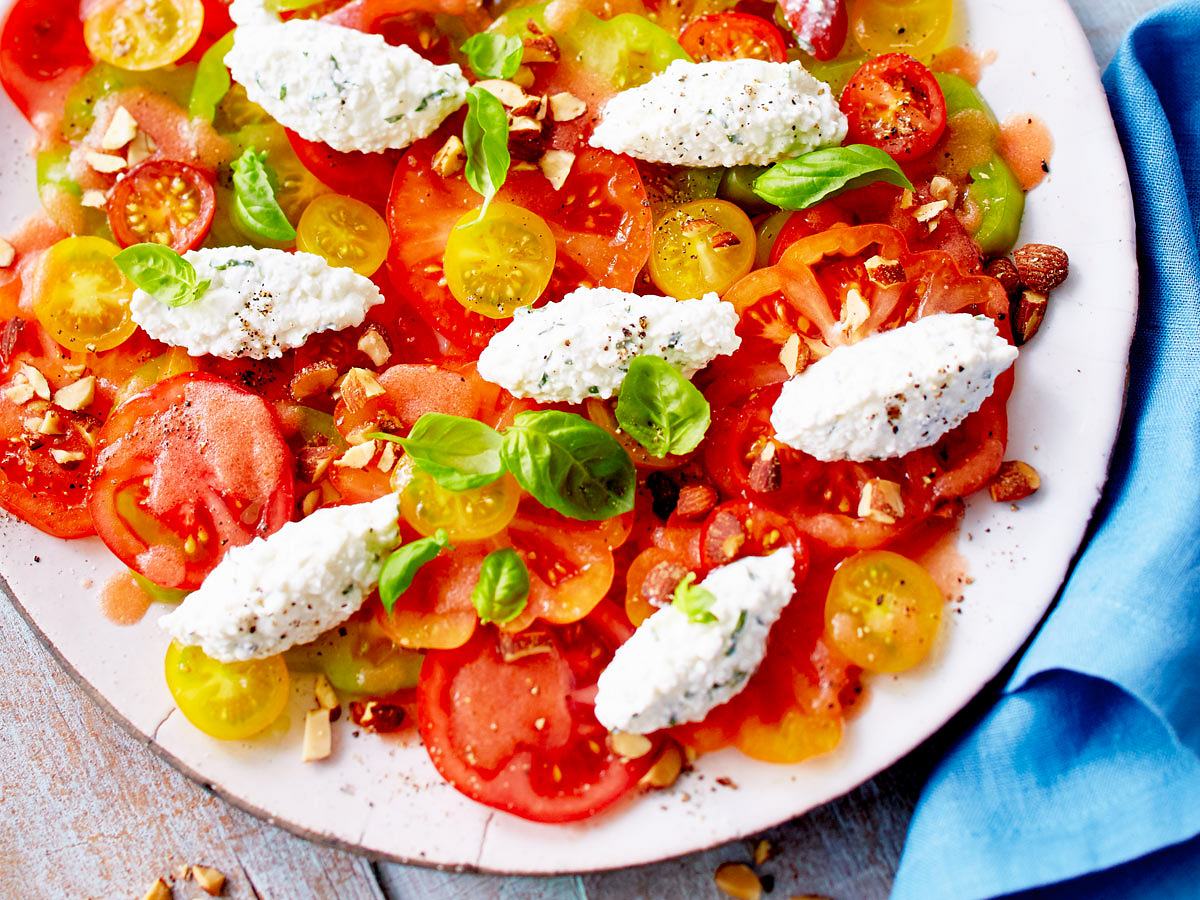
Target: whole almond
(1005, 272)
(1029, 311)
(1042, 267)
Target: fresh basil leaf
(212, 80)
(485, 137)
(569, 465)
(459, 454)
(162, 273)
(502, 591)
(660, 409)
(802, 182)
(694, 602)
(493, 55)
(255, 209)
(402, 566)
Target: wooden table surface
(87, 811)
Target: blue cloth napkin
(1090, 758)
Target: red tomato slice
(185, 471)
(414, 390)
(436, 612)
(894, 103)
(806, 223)
(165, 202)
(600, 218)
(820, 25)
(505, 722)
(42, 53)
(422, 25)
(733, 35)
(363, 176)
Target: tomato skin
(490, 748)
(808, 222)
(42, 53)
(367, 177)
(895, 103)
(186, 229)
(733, 35)
(205, 487)
(827, 38)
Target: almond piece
(37, 381)
(509, 93)
(376, 348)
(377, 716)
(1015, 481)
(1042, 267)
(160, 890)
(942, 188)
(1028, 316)
(930, 211)
(881, 501)
(763, 851)
(884, 272)
(77, 395)
(766, 474)
(209, 880)
(105, 163)
(525, 138)
(357, 457)
(122, 129)
(324, 693)
(318, 736)
(695, 501)
(556, 166)
(629, 746)
(666, 769)
(789, 355)
(1005, 272)
(20, 391)
(94, 199)
(450, 158)
(67, 457)
(8, 254)
(724, 239)
(540, 48)
(566, 107)
(315, 378)
(724, 538)
(358, 387)
(855, 312)
(738, 880)
(141, 148)
(51, 423)
(661, 581)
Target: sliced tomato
(363, 176)
(505, 721)
(42, 53)
(895, 103)
(436, 612)
(185, 471)
(31, 239)
(434, 28)
(411, 391)
(600, 219)
(820, 25)
(733, 35)
(164, 202)
(806, 223)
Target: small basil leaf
(162, 273)
(660, 409)
(569, 465)
(485, 137)
(402, 566)
(493, 55)
(694, 602)
(255, 209)
(212, 80)
(459, 454)
(502, 591)
(802, 182)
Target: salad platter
(553, 438)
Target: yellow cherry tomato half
(915, 27)
(229, 701)
(345, 232)
(883, 611)
(501, 262)
(140, 35)
(702, 246)
(471, 515)
(81, 297)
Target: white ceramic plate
(386, 799)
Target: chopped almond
(884, 272)
(695, 501)
(566, 107)
(540, 48)
(763, 851)
(666, 769)
(1030, 313)
(315, 378)
(855, 312)
(629, 746)
(789, 354)
(943, 188)
(106, 163)
(881, 501)
(36, 380)
(766, 473)
(77, 395)
(67, 457)
(697, 225)
(19, 392)
(94, 199)
(141, 148)
(209, 880)
(509, 93)
(51, 423)
(358, 387)
(318, 736)
(930, 211)
(1015, 481)
(357, 457)
(525, 138)
(373, 344)
(661, 581)
(312, 500)
(450, 158)
(387, 457)
(160, 890)
(724, 239)
(906, 199)
(738, 880)
(8, 254)
(324, 693)
(556, 166)
(377, 716)
(122, 129)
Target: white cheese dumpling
(675, 670)
(288, 589)
(582, 346)
(346, 88)
(723, 113)
(893, 392)
(259, 303)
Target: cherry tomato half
(163, 202)
(733, 35)
(344, 232)
(702, 246)
(81, 296)
(228, 701)
(895, 103)
(820, 25)
(140, 35)
(917, 27)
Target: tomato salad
(576, 387)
